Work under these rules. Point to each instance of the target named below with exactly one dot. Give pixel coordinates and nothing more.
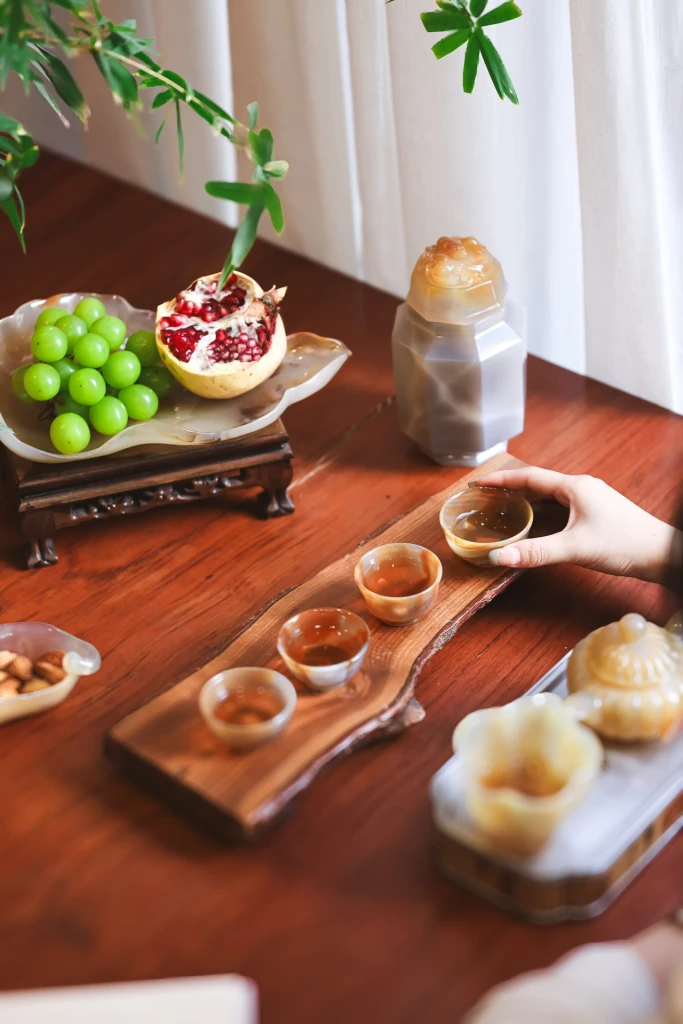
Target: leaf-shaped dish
(183, 419)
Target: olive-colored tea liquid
(490, 524)
(249, 705)
(531, 776)
(395, 577)
(323, 654)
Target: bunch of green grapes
(89, 379)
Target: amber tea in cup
(399, 582)
(324, 647)
(480, 519)
(244, 707)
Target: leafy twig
(30, 40)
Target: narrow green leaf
(469, 71)
(445, 5)
(9, 206)
(6, 187)
(214, 107)
(274, 208)
(477, 7)
(242, 243)
(22, 207)
(122, 83)
(445, 21)
(9, 146)
(252, 108)
(496, 68)
(236, 191)
(161, 99)
(450, 43)
(506, 12)
(64, 83)
(276, 168)
(43, 91)
(177, 80)
(181, 138)
(11, 125)
(159, 131)
(261, 146)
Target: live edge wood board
(166, 747)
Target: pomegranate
(221, 344)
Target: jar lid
(457, 281)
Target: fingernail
(494, 556)
(504, 556)
(473, 483)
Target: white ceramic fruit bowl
(183, 419)
(34, 639)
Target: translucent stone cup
(507, 511)
(324, 647)
(409, 562)
(526, 767)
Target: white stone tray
(183, 419)
(639, 782)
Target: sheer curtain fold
(577, 190)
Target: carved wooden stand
(51, 497)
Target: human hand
(661, 947)
(605, 531)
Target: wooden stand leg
(275, 480)
(38, 527)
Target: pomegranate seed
(220, 335)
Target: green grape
(73, 327)
(65, 403)
(49, 316)
(140, 401)
(91, 350)
(90, 310)
(87, 386)
(69, 433)
(48, 344)
(109, 416)
(159, 379)
(144, 345)
(18, 385)
(65, 368)
(121, 369)
(42, 382)
(111, 329)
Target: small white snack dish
(32, 640)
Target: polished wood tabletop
(339, 914)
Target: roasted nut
(9, 688)
(5, 658)
(33, 685)
(21, 668)
(53, 658)
(48, 670)
(4, 676)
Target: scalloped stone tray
(183, 419)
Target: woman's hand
(605, 530)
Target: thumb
(527, 554)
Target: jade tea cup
(478, 520)
(399, 582)
(324, 647)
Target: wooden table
(339, 915)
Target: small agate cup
(484, 512)
(324, 647)
(526, 766)
(261, 686)
(399, 582)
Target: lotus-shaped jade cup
(526, 766)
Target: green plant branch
(465, 25)
(30, 40)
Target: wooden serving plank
(166, 746)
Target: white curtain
(578, 190)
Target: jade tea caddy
(459, 357)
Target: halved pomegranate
(221, 344)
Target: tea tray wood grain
(634, 808)
(166, 747)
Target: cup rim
(473, 545)
(272, 678)
(577, 779)
(358, 571)
(326, 669)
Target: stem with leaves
(31, 39)
(466, 25)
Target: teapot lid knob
(632, 627)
